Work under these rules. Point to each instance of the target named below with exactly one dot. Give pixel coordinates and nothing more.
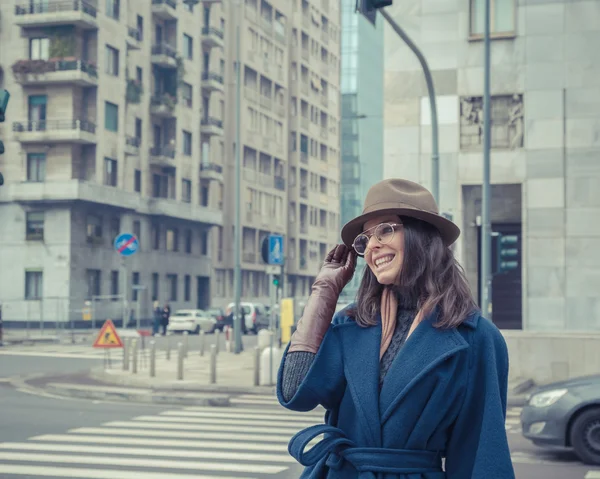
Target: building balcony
(51, 72)
(49, 13)
(212, 37)
(280, 183)
(212, 82)
(211, 171)
(55, 131)
(132, 146)
(163, 105)
(165, 9)
(164, 55)
(162, 156)
(134, 38)
(211, 126)
(266, 102)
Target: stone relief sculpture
(506, 117)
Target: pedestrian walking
(156, 318)
(413, 378)
(165, 315)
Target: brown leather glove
(336, 272)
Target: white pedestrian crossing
(61, 351)
(198, 442)
(513, 420)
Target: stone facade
(545, 140)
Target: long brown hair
(430, 275)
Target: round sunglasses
(384, 233)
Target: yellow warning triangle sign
(108, 337)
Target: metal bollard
(180, 354)
(186, 344)
(152, 358)
(213, 364)
(217, 340)
(168, 338)
(126, 347)
(256, 366)
(134, 356)
(202, 342)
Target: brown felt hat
(403, 198)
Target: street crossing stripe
(80, 473)
(513, 421)
(233, 415)
(172, 423)
(272, 397)
(155, 453)
(145, 462)
(139, 429)
(252, 401)
(55, 355)
(281, 411)
(240, 421)
(512, 412)
(593, 475)
(134, 441)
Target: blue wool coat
(444, 396)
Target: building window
(155, 237)
(187, 287)
(114, 284)
(36, 167)
(110, 172)
(94, 229)
(137, 232)
(34, 229)
(172, 280)
(203, 195)
(154, 286)
(507, 122)
(113, 8)
(112, 61)
(186, 191)
(111, 116)
(188, 46)
(139, 75)
(39, 48)
(172, 239)
(502, 17)
(37, 112)
(137, 181)
(93, 282)
(187, 143)
(115, 228)
(187, 95)
(204, 243)
(33, 284)
(135, 281)
(188, 241)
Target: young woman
(413, 379)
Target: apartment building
(290, 141)
(112, 104)
(122, 119)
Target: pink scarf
(389, 309)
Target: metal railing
(134, 33)
(211, 167)
(54, 125)
(164, 49)
(170, 3)
(133, 141)
(166, 151)
(210, 76)
(44, 66)
(206, 30)
(210, 121)
(50, 6)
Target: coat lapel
(361, 364)
(426, 347)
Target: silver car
(566, 414)
(192, 321)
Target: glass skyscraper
(362, 115)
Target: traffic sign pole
(126, 244)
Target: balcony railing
(209, 76)
(134, 33)
(210, 121)
(54, 125)
(166, 151)
(24, 67)
(133, 141)
(33, 8)
(164, 49)
(170, 3)
(211, 167)
(164, 99)
(212, 31)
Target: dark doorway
(507, 295)
(202, 292)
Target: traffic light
(507, 253)
(276, 280)
(369, 8)
(4, 96)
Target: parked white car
(192, 321)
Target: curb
(49, 339)
(180, 387)
(141, 396)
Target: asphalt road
(24, 416)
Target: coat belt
(335, 448)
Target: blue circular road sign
(126, 244)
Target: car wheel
(585, 436)
(197, 330)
